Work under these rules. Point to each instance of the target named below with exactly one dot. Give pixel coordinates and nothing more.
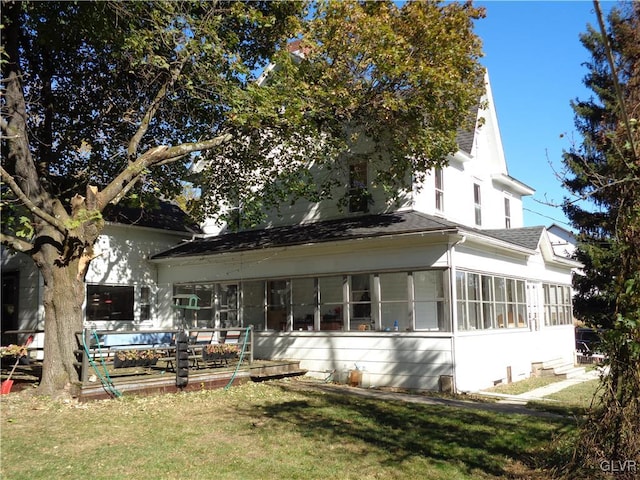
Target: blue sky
(534, 58)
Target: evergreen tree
(605, 209)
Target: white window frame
(359, 187)
(477, 204)
(507, 212)
(513, 310)
(438, 178)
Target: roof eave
(516, 185)
(178, 233)
(448, 231)
(494, 242)
(462, 157)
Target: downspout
(452, 307)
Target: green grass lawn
(265, 431)
(575, 400)
(580, 395)
(522, 386)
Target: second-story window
(477, 204)
(507, 212)
(439, 189)
(358, 193)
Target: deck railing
(98, 348)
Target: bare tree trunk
(64, 295)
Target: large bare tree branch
(132, 148)
(32, 207)
(14, 119)
(163, 154)
(16, 243)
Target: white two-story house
(445, 288)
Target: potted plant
(12, 353)
(124, 359)
(219, 351)
(135, 358)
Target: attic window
(359, 196)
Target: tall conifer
(604, 180)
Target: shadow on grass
(471, 440)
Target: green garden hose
(244, 346)
(107, 383)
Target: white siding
(123, 252)
(482, 358)
(397, 253)
(481, 165)
(399, 360)
(30, 288)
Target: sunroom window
(430, 312)
(557, 305)
(487, 301)
(253, 304)
(331, 293)
(303, 299)
(278, 304)
(394, 305)
(360, 302)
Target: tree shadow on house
(475, 442)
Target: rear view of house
(442, 288)
(445, 287)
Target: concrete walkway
(510, 404)
(542, 392)
(305, 384)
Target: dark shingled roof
(367, 226)
(326, 231)
(159, 214)
(527, 237)
(465, 137)
(164, 216)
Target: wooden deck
(161, 381)
(157, 380)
